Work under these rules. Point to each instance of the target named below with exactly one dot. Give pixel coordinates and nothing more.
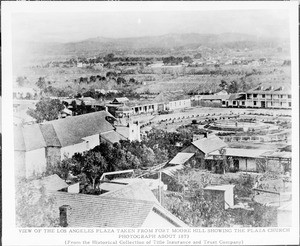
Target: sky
(77, 26)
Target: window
(289, 96)
(254, 103)
(263, 95)
(243, 103)
(290, 104)
(254, 95)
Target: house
(203, 147)
(269, 96)
(215, 98)
(39, 145)
(243, 159)
(172, 100)
(222, 194)
(237, 100)
(132, 206)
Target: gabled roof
(63, 132)
(120, 100)
(72, 130)
(137, 190)
(103, 211)
(181, 158)
(111, 210)
(209, 144)
(49, 135)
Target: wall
(53, 155)
(134, 131)
(229, 197)
(20, 169)
(251, 164)
(180, 104)
(87, 144)
(35, 161)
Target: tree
(223, 84)
(193, 206)
(109, 57)
(188, 59)
(46, 110)
(94, 167)
(233, 87)
(34, 207)
(121, 80)
(198, 56)
(41, 83)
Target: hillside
(154, 45)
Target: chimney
(63, 215)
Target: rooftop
(270, 88)
(209, 144)
(240, 152)
(63, 132)
(181, 158)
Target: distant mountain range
(156, 44)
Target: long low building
(262, 96)
(250, 160)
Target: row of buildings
(262, 96)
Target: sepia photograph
(134, 123)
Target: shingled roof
(63, 132)
(103, 211)
(72, 130)
(107, 211)
(209, 144)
